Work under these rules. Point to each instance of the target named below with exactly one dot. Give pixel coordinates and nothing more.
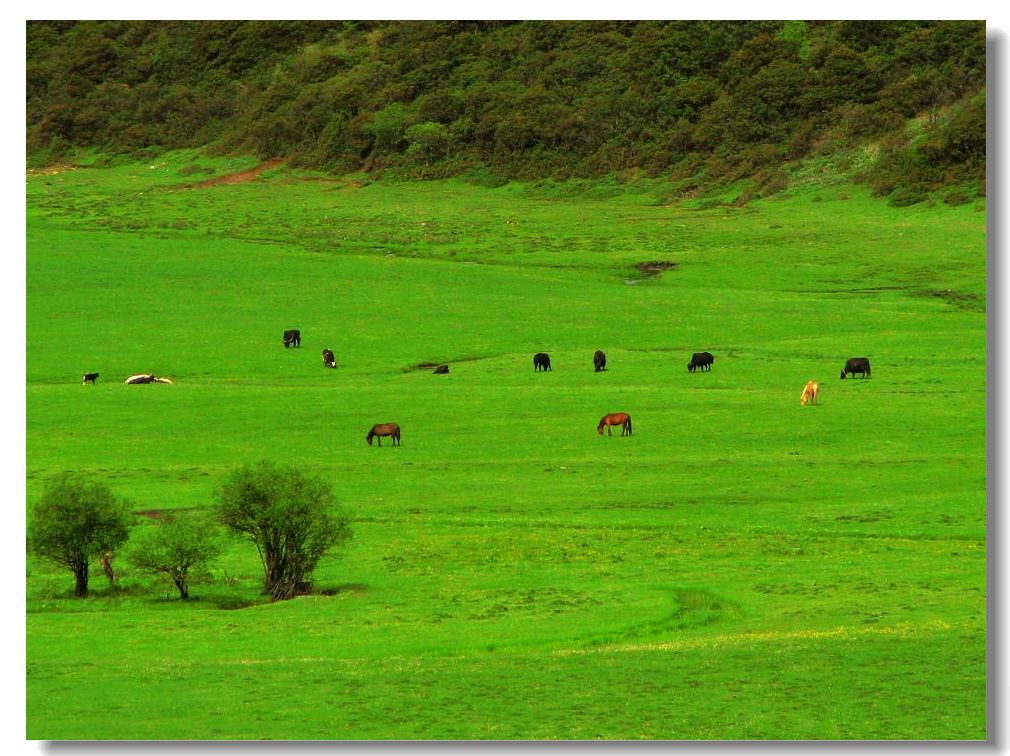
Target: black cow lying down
(441, 370)
(89, 378)
(145, 378)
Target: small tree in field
(291, 518)
(75, 522)
(175, 547)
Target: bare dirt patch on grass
(51, 170)
(240, 177)
(650, 269)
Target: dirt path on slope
(240, 177)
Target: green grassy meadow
(741, 567)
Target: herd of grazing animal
(541, 363)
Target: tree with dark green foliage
(290, 517)
(176, 547)
(75, 522)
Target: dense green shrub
(290, 518)
(908, 195)
(175, 547)
(956, 197)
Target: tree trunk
(284, 576)
(81, 579)
(182, 585)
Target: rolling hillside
(700, 104)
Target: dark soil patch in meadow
(336, 590)
(964, 299)
(232, 602)
(654, 267)
(650, 269)
(422, 366)
(430, 365)
(870, 516)
(158, 514)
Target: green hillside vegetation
(700, 104)
(740, 567)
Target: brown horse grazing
(615, 418)
(384, 429)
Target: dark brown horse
(615, 418)
(384, 429)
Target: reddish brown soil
(242, 176)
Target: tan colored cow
(810, 392)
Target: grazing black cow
(294, 336)
(541, 361)
(329, 360)
(855, 365)
(441, 369)
(599, 361)
(89, 378)
(700, 361)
